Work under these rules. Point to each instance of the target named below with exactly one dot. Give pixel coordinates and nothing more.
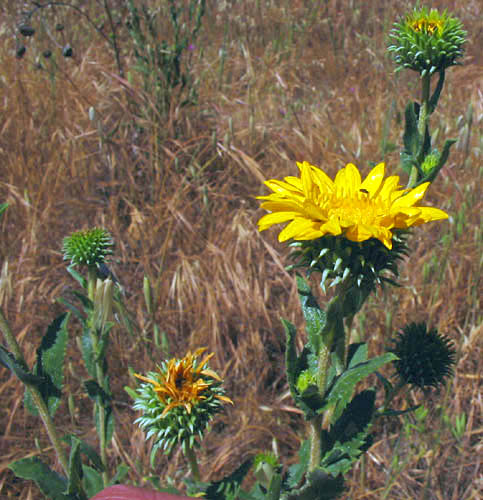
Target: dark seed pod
(67, 51)
(59, 27)
(20, 52)
(47, 53)
(26, 30)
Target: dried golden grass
(178, 196)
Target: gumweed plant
(351, 234)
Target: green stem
(91, 283)
(193, 463)
(323, 364)
(100, 376)
(422, 123)
(36, 396)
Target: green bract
(178, 426)
(336, 259)
(427, 41)
(425, 357)
(89, 248)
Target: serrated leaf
(340, 459)
(51, 484)
(355, 418)
(50, 361)
(229, 485)
(92, 481)
(50, 366)
(318, 486)
(344, 385)
(315, 317)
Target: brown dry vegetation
(299, 83)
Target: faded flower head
(316, 206)
(426, 358)
(179, 400)
(427, 41)
(89, 248)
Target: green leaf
(96, 393)
(355, 418)
(19, 368)
(343, 386)
(121, 472)
(394, 413)
(50, 366)
(318, 486)
(51, 484)
(75, 311)
(294, 366)
(108, 422)
(229, 486)
(77, 276)
(275, 487)
(88, 353)
(92, 481)
(357, 353)
(3, 207)
(315, 317)
(297, 471)
(87, 450)
(341, 458)
(411, 136)
(85, 301)
(74, 486)
(437, 92)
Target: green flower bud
(427, 41)
(178, 401)
(430, 163)
(426, 358)
(89, 248)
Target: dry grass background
(300, 80)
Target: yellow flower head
(315, 205)
(181, 383)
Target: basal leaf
(51, 484)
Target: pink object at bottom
(121, 492)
